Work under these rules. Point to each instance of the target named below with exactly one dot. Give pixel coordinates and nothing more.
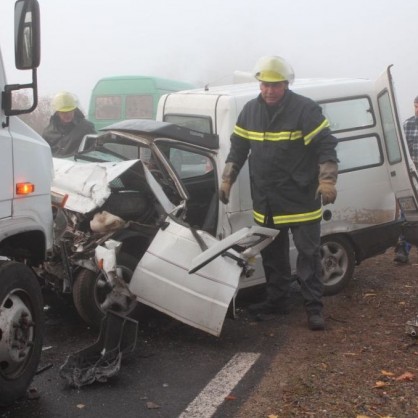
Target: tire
(338, 263)
(90, 290)
(21, 329)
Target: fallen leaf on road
(230, 398)
(366, 295)
(81, 406)
(33, 393)
(273, 416)
(407, 376)
(386, 373)
(380, 384)
(152, 405)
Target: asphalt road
(174, 370)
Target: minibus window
(389, 129)
(139, 107)
(108, 107)
(353, 113)
(357, 153)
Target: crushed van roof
(165, 130)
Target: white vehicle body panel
(201, 299)
(6, 161)
(86, 184)
(25, 158)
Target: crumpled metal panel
(86, 184)
(102, 360)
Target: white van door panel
(397, 152)
(359, 205)
(162, 280)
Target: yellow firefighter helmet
(64, 102)
(272, 69)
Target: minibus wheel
(338, 263)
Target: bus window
(108, 107)
(139, 107)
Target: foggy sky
(206, 41)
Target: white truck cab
(376, 175)
(25, 217)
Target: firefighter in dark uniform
(293, 172)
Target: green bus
(129, 97)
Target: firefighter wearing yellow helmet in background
(293, 172)
(67, 126)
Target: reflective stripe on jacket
(285, 150)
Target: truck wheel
(338, 263)
(21, 329)
(93, 295)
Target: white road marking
(208, 401)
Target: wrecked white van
(376, 175)
(134, 221)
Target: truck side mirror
(27, 35)
(27, 54)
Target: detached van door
(402, 174)
(195, 286)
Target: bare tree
(39, 118)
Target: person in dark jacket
(293, 172)
(410, 127)
(67, 126)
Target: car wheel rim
(334, 263)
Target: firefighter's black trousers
(277, 269)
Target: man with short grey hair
(410, 127)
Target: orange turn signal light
(24, 188)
